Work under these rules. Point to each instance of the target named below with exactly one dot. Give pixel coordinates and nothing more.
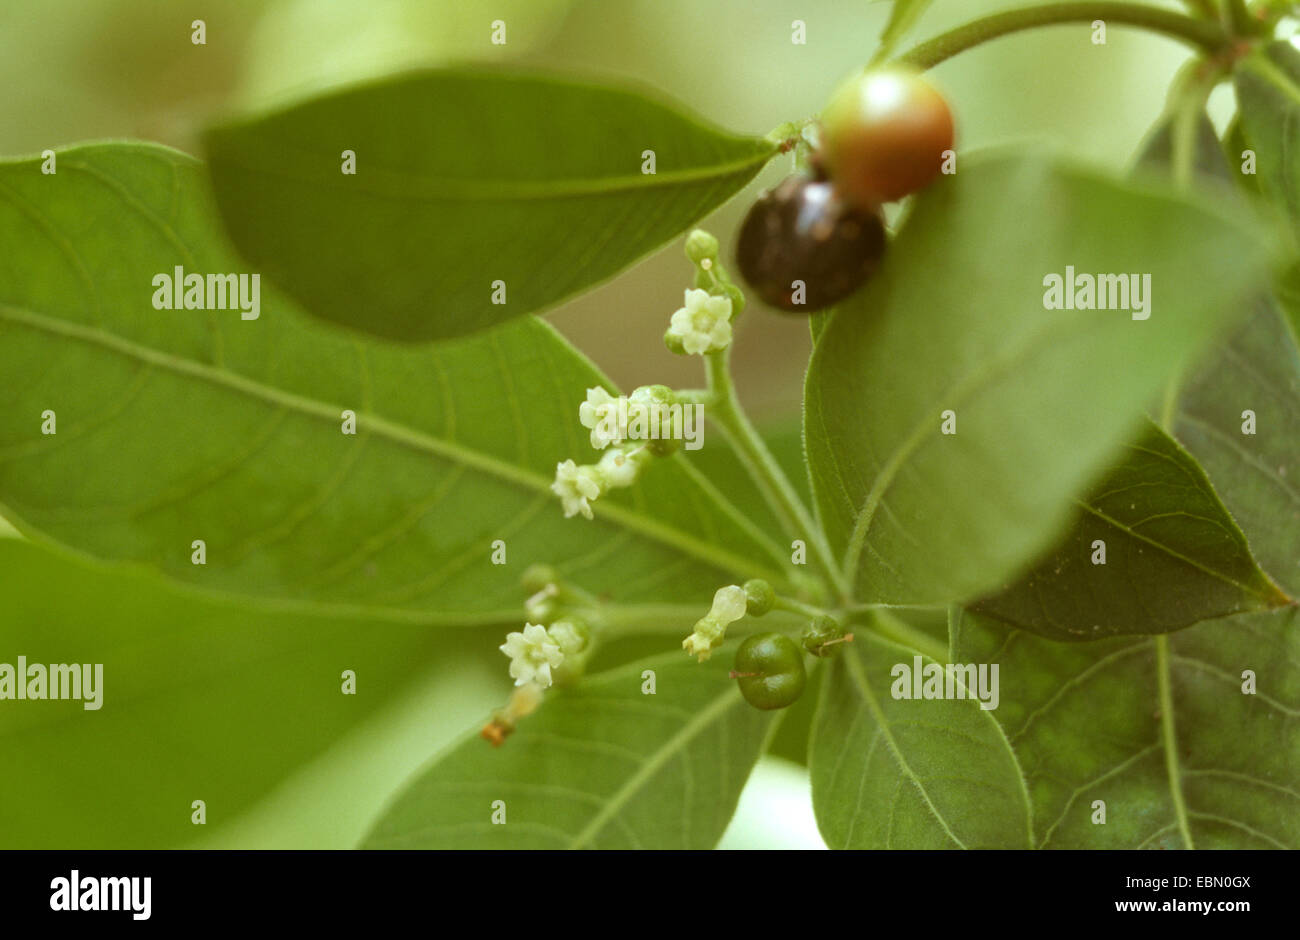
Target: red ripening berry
(802, 231)
(884, 134)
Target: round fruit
(801, 248)
(884, 134)
(769, 669)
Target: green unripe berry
(769, 670)
(759, 597)
(824, 636)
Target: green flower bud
(759, 597)
(537, 577)
(701, 245)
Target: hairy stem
(1199, 33)
(725, 410)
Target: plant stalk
(1201, 34)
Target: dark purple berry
(802, 231)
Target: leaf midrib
(382, 183)
(392, 431)
(656, 762)
(859, 678)
(1271, 598)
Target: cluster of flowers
(702, 326)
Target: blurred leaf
(910, 773)
(200, 425)
(201, 700)
(954, 320)
(902, 17)
(1173, 556)
(463, 179)
(1148, 723)
(600, 765)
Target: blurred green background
(76, 70)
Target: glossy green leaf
(1157, 728)
(602, 765)
(909, 773)
(465, 178)
(201, 425)
(201, 700)
(1152, 549)
(1043, 399)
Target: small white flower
(567, 637)
(729, 604)
(533, 654)
(600, 413)
(618, 469)
(704, 324)
(576, 485)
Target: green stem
(614, 621)
(1194, 32)
(725, 410)
(892, 628)
(797, 607)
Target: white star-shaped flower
(575, 485)
(704, 324)
(533, 654)
(600, 413)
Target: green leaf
(201, 425)
(200, 700)
(894, 773)
(464, 178)
(1156, 727)
(600, 765)
(1256, 369)
(1268, 98)
(955, 320)
(1173, 556)
(902, 17)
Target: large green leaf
(909, 773)
(177, 425)
(1256, 369)
(1158, 728)
(464, 178)
(955, 320)
(601, 765)
(201, 700)
(1173, 556)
